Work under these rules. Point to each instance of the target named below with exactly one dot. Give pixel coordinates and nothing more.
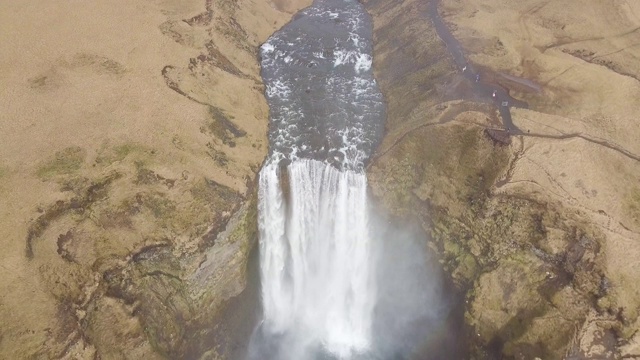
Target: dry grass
(85, 98)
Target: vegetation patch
(120, 152)
(222, 127)
(64, 162)
(633, 205)
(145, 176)
(118, 217)
(219, 156)
(75, 184)
(215, 195)
(157, 203)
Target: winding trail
(600, 142)
(500, 96)
(494, 93)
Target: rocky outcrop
(535, 257)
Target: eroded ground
(131, 137)
(542, 229)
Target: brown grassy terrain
(131, 134)
(543, 232)
(586, 56)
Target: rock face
(131, 138)
(540, 229)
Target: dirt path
(486, 90)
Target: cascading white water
(316, 253)
(316, 256)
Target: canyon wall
(539, 230)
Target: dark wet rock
(500, 137)
(222, 128)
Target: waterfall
(338, 280)
(316, 256)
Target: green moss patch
(64, 162)
(633, 205)
(222, 127)
(120, 152)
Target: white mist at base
(316, 258)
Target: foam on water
(318, 76)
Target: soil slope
(542, 230)
(131, 137)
